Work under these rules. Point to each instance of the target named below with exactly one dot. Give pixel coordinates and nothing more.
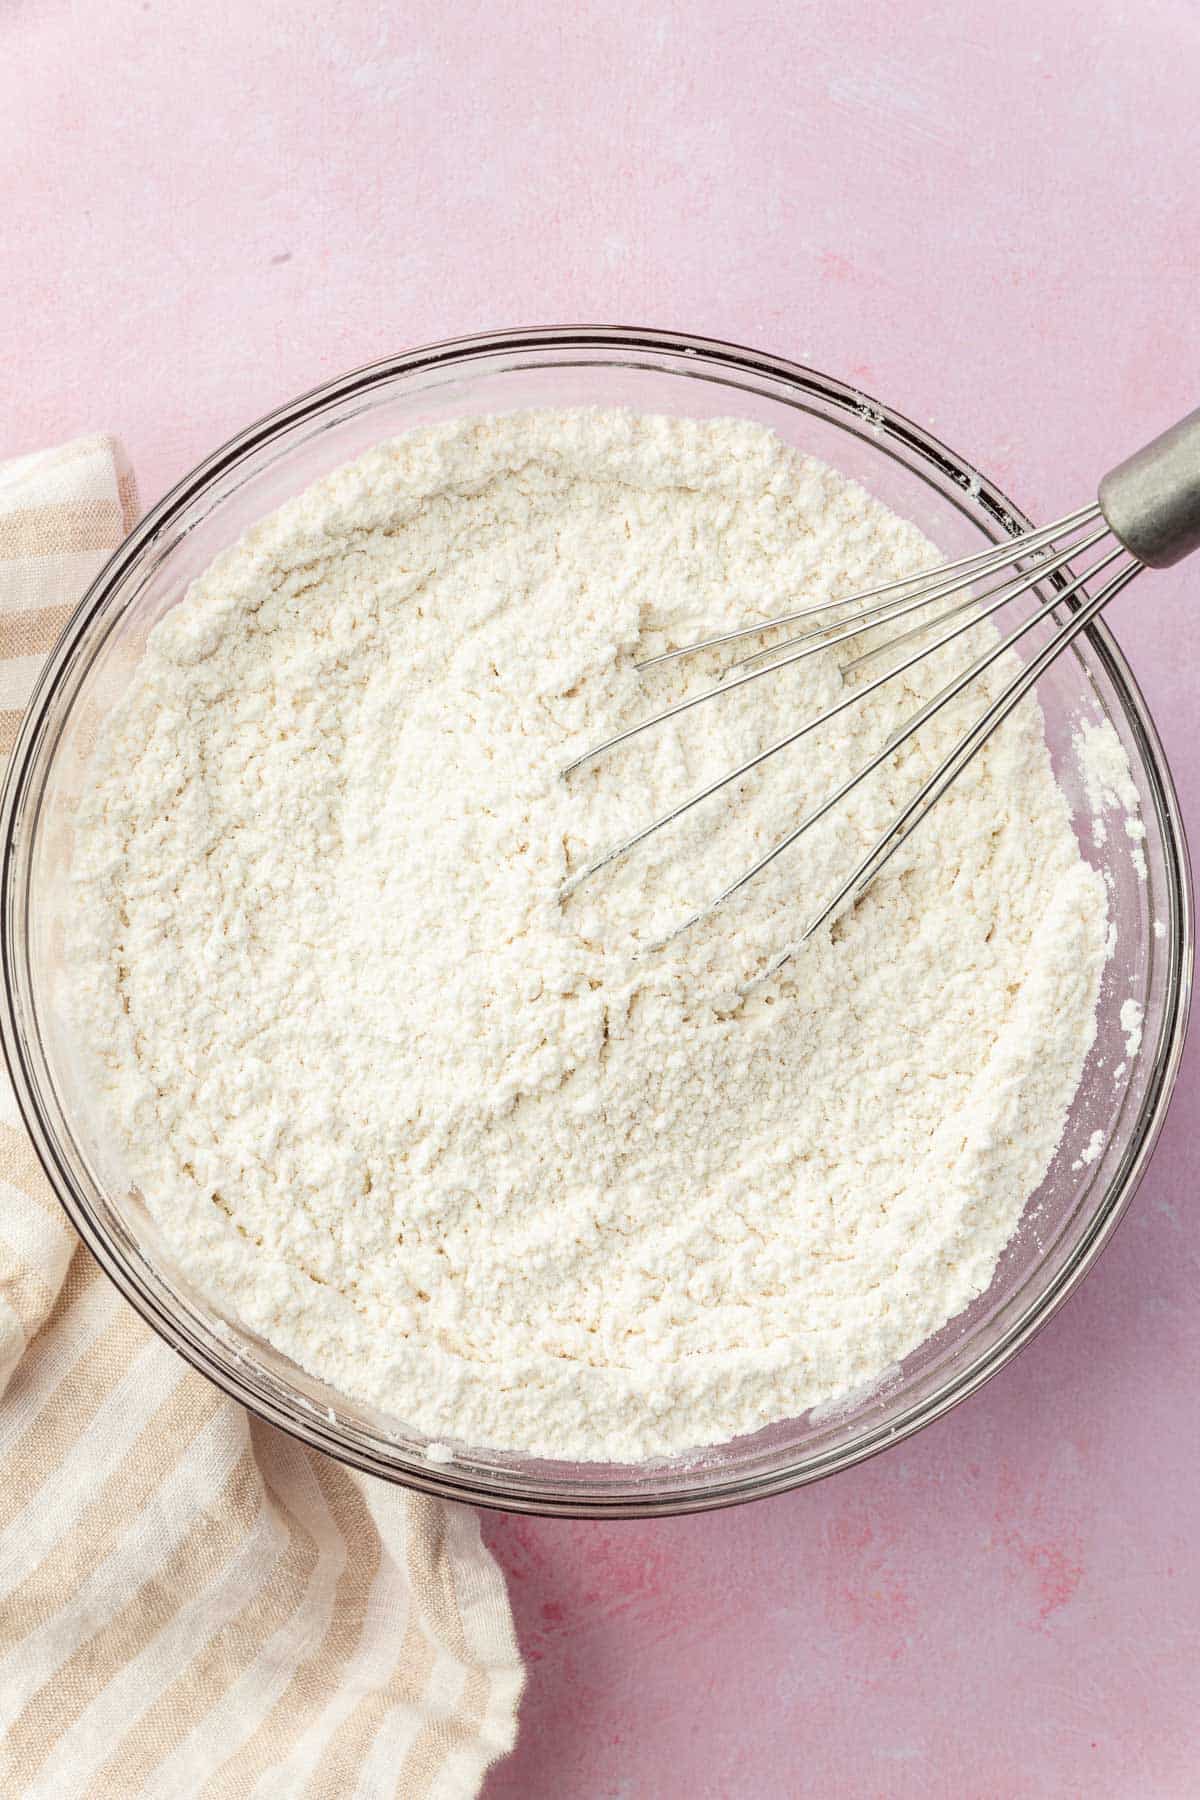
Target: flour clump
(475, 1155)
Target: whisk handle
(1152, 499)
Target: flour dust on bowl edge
(1112, 1125)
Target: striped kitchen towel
(191, 1603)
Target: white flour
(1109, 786)
(455, 1146)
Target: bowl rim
(30, 751)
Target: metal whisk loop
(1150, 504)
(815, 642)
(956, 762)
(922, 717)
(850, 699)
(872, 617)
(980, 562)
(923, 802)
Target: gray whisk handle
(1152, 499)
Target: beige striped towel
(191, 1603)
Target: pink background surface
(987, 217)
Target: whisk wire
(927, 797)
(912, 725)
(815, 642)
(966, 749)
(873, 617)
(980, 562)
(850, 699)
(1150, 503)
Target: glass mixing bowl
(1066, 1223)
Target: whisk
(1146, 515)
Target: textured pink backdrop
(988, 216)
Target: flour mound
(474, 1155)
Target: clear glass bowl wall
(1065, 1224)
